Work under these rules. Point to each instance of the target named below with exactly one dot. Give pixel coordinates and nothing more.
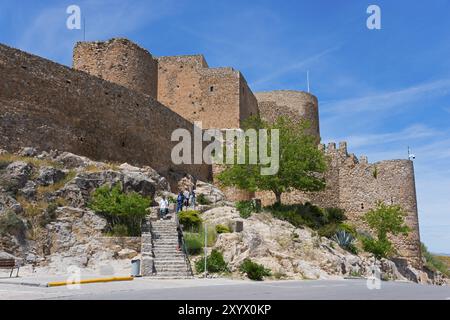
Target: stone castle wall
(119, 61)
(356, 186)
(219, 97)
(50, 106)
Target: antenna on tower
(307, 80)
(410, 155)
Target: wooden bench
(9, 264)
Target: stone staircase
(160, 258)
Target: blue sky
(380, 90)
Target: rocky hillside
(44, 218)
(298, 253)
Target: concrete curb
(30, 284)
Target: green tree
(384, 220)
(300, 161)
(119, 208)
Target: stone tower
(119, 61)
(218, 97)
(297, 105)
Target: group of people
(184, 199)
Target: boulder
(72, 161)
(15, 176)
(211, 192)
(27, 152)
(7, 202)
(290, 252)
(126, 254)
(50, 175)
(29, 190)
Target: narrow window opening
(211, 89)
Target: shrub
(245, 208)
(328, 231)
(194, 243)
(190, 219)
(384, 220)
(119, 230)
(300, 215)
(120, 208)
(222, 229)
(253, 270)
(379, 248)
(202, 200)
(11, 224)
(214, 263)
(335, 215)
(433, 263)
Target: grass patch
(436, 263)
(41, 190)
(38, 163)
(195, 241)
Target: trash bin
(135, 268)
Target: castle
(119, 103)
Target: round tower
(119, 61)
(297, 105)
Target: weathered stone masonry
(219, 97)
(50, 106)
(356, 186)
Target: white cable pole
(307, 80)
(206, 243)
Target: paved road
(212, 289)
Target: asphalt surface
(223, 289)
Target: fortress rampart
(119, 61)
(121, 104)
(219, 97)
(50, 106)
(357, 185)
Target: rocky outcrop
(293, 253)
(71, 235)
(212, 194)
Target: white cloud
(46, 34)
(417, 131)
(384, 101)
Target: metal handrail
(183, 244)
